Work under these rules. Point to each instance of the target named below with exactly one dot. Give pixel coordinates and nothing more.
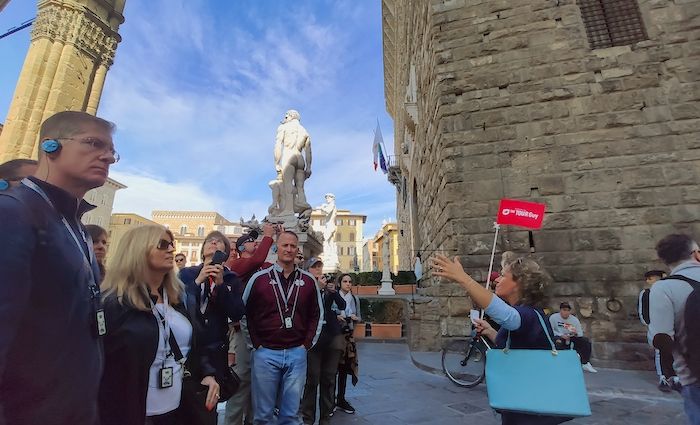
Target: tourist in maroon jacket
(283, 310)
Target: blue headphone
(4, 184)
(51, 146)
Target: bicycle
(464, 360)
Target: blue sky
(199, 87)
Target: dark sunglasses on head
(163, 244)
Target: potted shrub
(359, 331)
(384, 317)
(386, 330)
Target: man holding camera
(252, 255)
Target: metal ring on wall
(613, 305)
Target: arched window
(183, 229)
(200, 231)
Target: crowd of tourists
(144, 339)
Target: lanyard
(285, 296)
(163, 323)
(89, 256)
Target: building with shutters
(103, 199)
(119, 224)
(348, 237)
(592, 107)
(190, 227)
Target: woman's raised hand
(450, 269)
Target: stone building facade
(348, 237)
(378, 249)
(494, 99)
(119, 224)
(103, 198)
(190, 227)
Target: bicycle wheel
(464, 362)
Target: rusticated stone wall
(494, 99)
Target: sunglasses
(179, 260)
(163, 244)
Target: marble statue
(293, 165)
(330, 250)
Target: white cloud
(196, 117)
(146, 193)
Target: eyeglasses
(163, 244)
(96, 145)
(179, 260)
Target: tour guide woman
(150, 343)
(520, 295)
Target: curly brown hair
(532, 279)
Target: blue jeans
(278, 375)
(691, 401)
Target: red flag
(520, 213)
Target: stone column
(71, 41)
(96, 90)
(387, 287)
(43, 90)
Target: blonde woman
(150, 341)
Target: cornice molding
(78, 27)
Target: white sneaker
(588, 368)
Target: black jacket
(50, 355)
(332, 327)
(130, 348)
(226, 303)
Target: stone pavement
(393, 391)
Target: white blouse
(164, 400)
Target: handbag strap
(544, 329)
(175, 347)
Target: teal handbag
(536, 382)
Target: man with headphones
(51, 318)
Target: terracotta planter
(404, 289)
(386, 330)
(359, 331)
(365, 290)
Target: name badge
(299, 282)
(288, 323)
(165, 377)
(101, 323)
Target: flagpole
(497, 227)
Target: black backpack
(688, 341)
